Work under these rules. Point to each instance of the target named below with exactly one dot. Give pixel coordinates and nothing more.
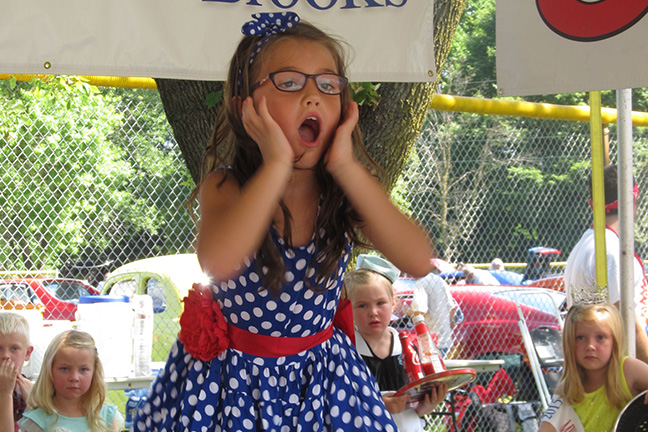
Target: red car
(490, 327)
(59, 296)
(552, 282)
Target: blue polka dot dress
(325, 388)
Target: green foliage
(366, 93)
(214, 98)
(470, 67)
(492, 185)
(73, 185)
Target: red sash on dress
(280, 346)
(273, 346)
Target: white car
(167, 279)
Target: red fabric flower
(203, 330)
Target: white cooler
(109, 319)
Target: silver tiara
(589, 295)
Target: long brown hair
(230, 146)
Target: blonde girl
(598, 379)
(371, 293)
(282, 199)
(69, 393)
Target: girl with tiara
(598, 379)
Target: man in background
(580, 271)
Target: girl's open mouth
(309, 129)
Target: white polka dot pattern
(327, 387)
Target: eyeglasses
(293, 81)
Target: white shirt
(432, 298)
(580, 272)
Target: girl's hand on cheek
(341, 150)
(265, 131)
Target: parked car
(58, 296)
(537, 270)
(490, 327)
(167, 279)
(552, 282)
(16, 299)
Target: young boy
(370, 290)
(14, 351)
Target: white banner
(564, 46)
(391, 40)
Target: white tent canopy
(390, 40)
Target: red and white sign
(564, 46)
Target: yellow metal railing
(441, 102)
(445, 102)
(28, 273)
(96, 80)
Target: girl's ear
(237, 104)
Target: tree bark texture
(389, 130)
(192, 120)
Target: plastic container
(109, 319)
(142, 334)
(429, 354)
(136, 398)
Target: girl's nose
(311, 93)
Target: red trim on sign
(587, 21)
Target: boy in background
(15, 349)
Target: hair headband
(267, 24)
(615, 204)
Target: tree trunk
(192, 120)
(389, 130)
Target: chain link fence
(93, 179)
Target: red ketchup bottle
(429, 354)
(410, 360)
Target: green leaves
(366, 93)
(214, 98)
(84, 171)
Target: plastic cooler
(109, 319)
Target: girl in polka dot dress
(281, 200)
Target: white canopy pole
(626, 216)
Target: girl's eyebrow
(295, 68)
